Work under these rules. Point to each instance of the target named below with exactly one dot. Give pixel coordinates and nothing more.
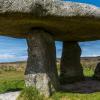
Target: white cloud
(22, 58)
(6, 56)
(94, 55)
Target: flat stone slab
(69, 21)
(53, 7)
(9, 96)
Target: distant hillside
(90, 62)
(17, 62)
(91, 58)
(58, 60)
(20, 65)
(13, 66)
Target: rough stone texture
(97, 72)
(41, 69)
(63, 19)
(10, 95)
(71, 69)
(53, 7)
(24, 5)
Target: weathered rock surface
(9, 96)
(53, 7)
(41, 71)
(17, 18)
(97, 72)
(71, 69)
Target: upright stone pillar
(97, 72)
(71, 69)
(41, 71)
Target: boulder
(71, 69)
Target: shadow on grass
(86, 86)
(11, 86)
(14, 90)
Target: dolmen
(41, 23)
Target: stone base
(41, 81)
(71, 69)
(41, 71)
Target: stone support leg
(71, 69)
(41, 71)
(97, 72)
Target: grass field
(76, 96)
(13, 80)
(88, 72)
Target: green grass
(76, 96)
(88, 72)
(30, 93)
(13, 80)
(11, 85)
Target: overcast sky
(12, 49)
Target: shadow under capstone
(88, 85)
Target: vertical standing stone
(97, 72)
(71, 69)
(41, 71)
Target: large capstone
(41, 71)
(77, 21)
(71, 69)
(97, 72)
